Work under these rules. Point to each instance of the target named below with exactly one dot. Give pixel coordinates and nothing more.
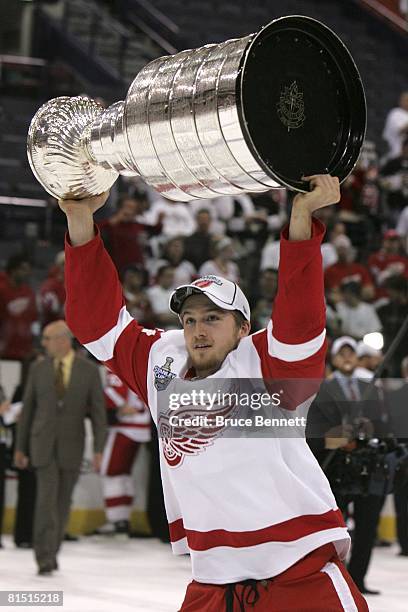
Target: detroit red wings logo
(206, 281)
(179, 440)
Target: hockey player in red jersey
(256, 515)
(129, 426)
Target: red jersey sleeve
(97, 316)
(115, 391)
(294, 344)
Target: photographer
(344, 422)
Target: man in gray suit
(61, 391)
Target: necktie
(59, 381)
(352, 391)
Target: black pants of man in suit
(53, 502)
(23, 525)
(366, 514)
(401, 511)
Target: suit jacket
(397, 403)
(50, 429)
(331, 406)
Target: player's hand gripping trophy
(245, 115)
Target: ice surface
(106, 574)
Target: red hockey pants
(317, 583)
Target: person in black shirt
(341, 420)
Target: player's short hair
(239, 318)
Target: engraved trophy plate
(245, 115)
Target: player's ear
(244, 329)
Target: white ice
(104, 574)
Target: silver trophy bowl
(245, 115)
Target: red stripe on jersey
(122, 500)
(177, 531)
(287, 531)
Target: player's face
(210, 333)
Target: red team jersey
(383, 266)
(117, 394)
(339, 273)
(18, 311)
(52, 299)
(242, 507)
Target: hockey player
(256, 515)
(129, 426)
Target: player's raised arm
(294, 344)
(95, 308)
(325, 191)
(299, 309)
(79, 215)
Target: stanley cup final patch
(291, 107)
(163, 375)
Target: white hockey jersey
(242, 507)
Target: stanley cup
(245, 115)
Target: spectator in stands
(388, 261)
(395, 180)
(159, 296)
(124, 237)
(18, 310)
(402, 227)
(61, 391)
(270, 254)
(396, 126)
(368, 361)
(347, 270)
(272, 206)
(357, 317)
(222, 264)
(328, 249)
(173, 255)
(370, 197)
(176, 217)
(137, 301)
(220, 210)
(392, 316)
(268, 284)
(351, 190)
(52, 292)
(198, 245)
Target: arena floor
(102, 574)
